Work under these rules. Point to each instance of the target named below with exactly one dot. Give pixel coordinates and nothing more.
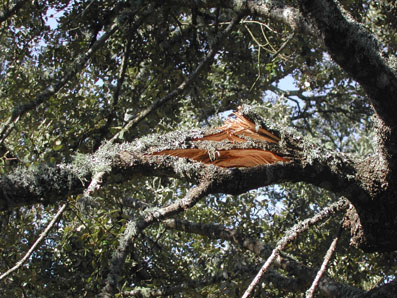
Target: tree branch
(342, 35)
(183, 86)
(41, 237)
(291, 234)
(307, 162)
(305, 275)
(54, 87)
(375, 225)
(56, 84)
(274, 9)
(136, 226)
(388, 290)
(320, 273)
(273, 277)
(116, 94)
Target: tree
(94, 91)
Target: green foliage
(161, 49)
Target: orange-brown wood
(234, 130)
(228, 158)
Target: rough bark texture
(385, 291)
(375, 226)
(374, 221)
(273, 153)
(307, 162)
(368, 184)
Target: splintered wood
(240, 129)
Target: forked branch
(292, 234)
(136, 226)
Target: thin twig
(182, 87)
(31, 250)
(272, 51)
(327, 258)
(291, 235)
(289, 38)
(177, 289)
(259, 69)
(96, 180)
(267, 40)
(137, 225)
(216, 232)
(116, 94)
(259, 23)
(77, 65)
(263, 46)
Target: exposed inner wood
(239, 129)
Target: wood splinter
(240, 130)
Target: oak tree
(124, 173)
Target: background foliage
(156, 47)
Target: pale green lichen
(82, 165)
(37, 184)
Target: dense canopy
(119, 176)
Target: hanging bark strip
(237, 130)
